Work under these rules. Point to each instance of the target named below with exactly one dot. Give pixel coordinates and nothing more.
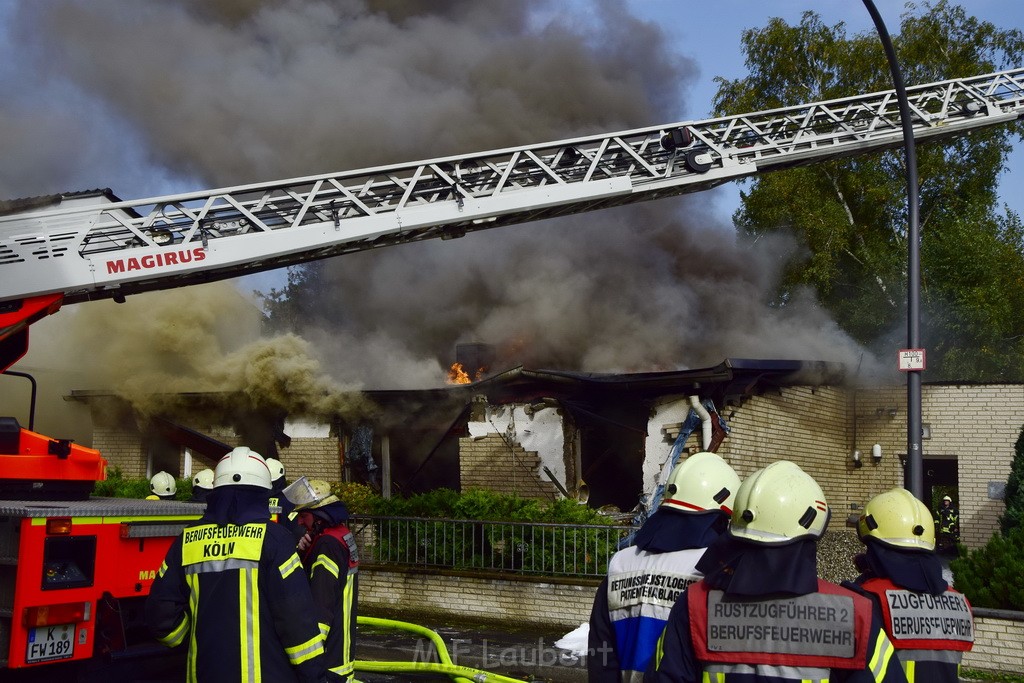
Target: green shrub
(116, 485)
(483, 544)
(993, 576)
(360, 499)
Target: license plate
(47, 643)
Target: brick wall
(979, 425)
(122, 449)
(814, 427)
(997, 645)
(316, 458)
(489, 462)
(519, 602)
(526, 602)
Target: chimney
(475, 358)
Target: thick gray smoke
(155, 97)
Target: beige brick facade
(512, 601)
(123, 449)
(979, 425)
(997, 645)
(316, 458)
(491, 462)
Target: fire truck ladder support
(109, 250)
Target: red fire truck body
(74, 575)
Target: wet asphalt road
(524, 654)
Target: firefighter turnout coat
(829, 635)
(332, 564)
(929, 632)
(237, 595)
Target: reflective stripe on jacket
(332, 564)
(237, 595)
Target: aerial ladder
(73, 569)
(63, 250)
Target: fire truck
(75, 569)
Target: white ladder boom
(109, 249)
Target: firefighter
(625, 623)
(202, 484)
(331, 560)
(162, 486)
(233, 589)
(949, 526)
(902, 574)
(761, 614)
(287, 515)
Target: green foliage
(850, 215)
(360, 499)
(564, 547)
(423, 536)
(116, 485)
(999, 677)
(993, 576)
(1013, 518)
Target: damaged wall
(513, 448)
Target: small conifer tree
(1014, 499)
(993, 576)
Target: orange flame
(458, 375)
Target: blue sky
(709, 32)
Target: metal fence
(518, 547)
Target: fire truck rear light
(58, 526)
(46, 615)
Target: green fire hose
(457, 672)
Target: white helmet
(242, 466)
(203, 479)
(162, 484)
(896, 518)
(276, 468)
(778, 504)
(701, 483)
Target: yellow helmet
(898, 519)
(778, 504)
(701, 483)
(203, 479)
(320, 495)
(242, 466)
(162, 484)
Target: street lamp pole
(915, 482)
